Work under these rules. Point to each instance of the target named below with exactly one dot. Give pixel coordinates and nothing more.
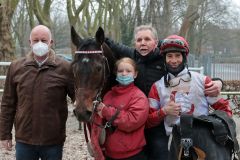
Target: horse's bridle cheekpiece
(98, 95)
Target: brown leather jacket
(34, 100)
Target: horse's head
(91, 69)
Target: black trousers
(157, 143)
(140, 156)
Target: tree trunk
(7, 47)
(190, 17)
(166, 17)
(138, 13)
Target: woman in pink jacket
(128, 106)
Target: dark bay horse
(93, 71)
(204, 138)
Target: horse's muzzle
(82, 117)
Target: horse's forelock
(94, 63)
(84, 68)
(89, 44)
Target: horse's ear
(100, 37)
(76, 39)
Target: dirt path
(75, 146)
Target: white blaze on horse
(195, 139)
(93, 71)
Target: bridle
(105, 63)
(98, 99)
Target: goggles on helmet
(177, 80)
(172, 42)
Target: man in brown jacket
(34, 100)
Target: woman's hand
(100, 108)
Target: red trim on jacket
(155, 116)
(221, 104)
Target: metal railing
(3, 77)
(198, 69)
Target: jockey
(180, 90)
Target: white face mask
(40, 49)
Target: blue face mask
(125, 80)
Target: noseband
(105, 63)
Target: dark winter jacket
(150, 70)
(150, 67)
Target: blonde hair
(126, 60)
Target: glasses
(178, 42)
(176, 81)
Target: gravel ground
(75, 145)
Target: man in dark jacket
(34, 100)
(151, 68)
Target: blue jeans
(34, 152)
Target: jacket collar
(51, 61)
(120, 89)
(154, 54)
(184, 71)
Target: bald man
(34, 101)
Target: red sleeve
(223, 105)
(155, 116)
(207, 80)
(132, 118)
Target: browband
(88, 52)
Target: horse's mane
(86, 44)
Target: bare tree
(41, 10)
(20, 27)
(7, 9)
(29, 6)
(190, 17)
(211, 13)
(90, 14)
(73, 12)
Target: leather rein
(98, 98)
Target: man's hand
(213, 88)
(6, 144)
(172, 108)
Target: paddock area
(75, 147)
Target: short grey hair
(146, 27)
